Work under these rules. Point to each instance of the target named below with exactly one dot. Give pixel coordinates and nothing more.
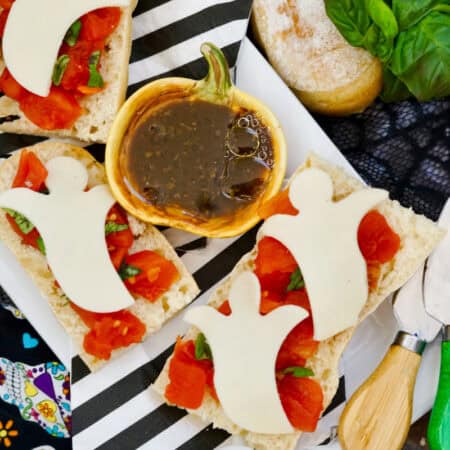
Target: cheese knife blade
(437, 303)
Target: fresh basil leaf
(60, 68)
(394, 90)
(113, 227)
(202, 348)
(127, 271)
(296, 281)
(22, 222)
(95, 79)
(72, 34)
(410, 12)
(41, 245)
(298, 371)
(421, 58)
(351, 19)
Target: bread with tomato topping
(328, 74)
(146, 237)
(99, 109)
(418, 236)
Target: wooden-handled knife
(378, 415)
(437, 304)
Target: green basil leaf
(383, 17)
(71, 37)
(410, 12)
(202, 348)
(22, 222)
(351, 18)
(95, 79)
(394, 90)
(60, 68)
(298, 371)
(41, 245)
(113, 227)
(296, 281)
(127, 271)
(421, 58)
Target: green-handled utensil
(437, 304)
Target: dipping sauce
(204, 159)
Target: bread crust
(418, 235)
(325, 72)
(147, 237)
(100, 109)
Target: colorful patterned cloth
(34, 388)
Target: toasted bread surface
(99, 109)
(147, 237)
(418, 235)
(329, 75)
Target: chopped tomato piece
(188, 376)
(86, 90)
(117, 256)
(28, 239)
(59, 110)
(109, 331)
(225, 308)
(99, 24)
(272, 257)
(279, 204)
(298, 297)
(376, 239)
(123, 238)
(6, 4)
(269, 301)
(10, 87)
(302, 400)
(156, 277)
(298, 344)
(3, 18)
(31, 172)
(275, 281)
(77, 70)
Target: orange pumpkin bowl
(216, 88)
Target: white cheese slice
(323, 239)
(72, 225)
(245, 346)
(34, 33)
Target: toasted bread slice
(147, 237)
(100, 109)
(328, 74)
(418, 235)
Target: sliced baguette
(326, 73)
(418, 236)
(147, 237)
(100, 109)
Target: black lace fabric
(402, 147)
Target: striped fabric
(113, 409)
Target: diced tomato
(77, 70)
(109, 331)
(119, 239)
(225, 308)
(86, 90)
(272, 257)
(6, 4)
(117, 256)
(302, 400)
(298, 346)
(298, 297)
(10, 87)
(376, 239)
(279, 204)
(156, 277)
(188, 377)
(269, 301)
(3, 18)
(28, 239)
(59, 110)
(31, 172)
(274, 281)
(99, 24)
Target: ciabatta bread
(418, 235)
(100, 109)
(147, 237)
(328, 74)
